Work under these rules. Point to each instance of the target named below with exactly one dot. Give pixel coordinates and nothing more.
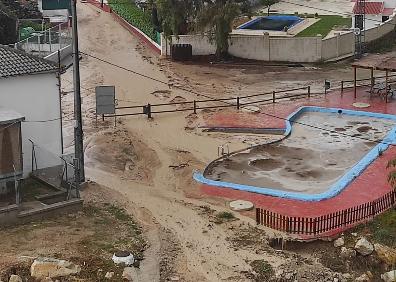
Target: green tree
(211, 17)
(215, 19)
(174, 15)
(268, 4)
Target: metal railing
(67, 164)
(43, 43)
(195, 105)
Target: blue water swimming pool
(275, 23)
(331, 187)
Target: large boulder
(363, 278)
(130, 274)
(347, 253)
(386, 254)
(50, 267)
(364, 247)
(389, 276)
(15, 278)
(339, 242)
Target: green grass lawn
(325, 25)
(382, 229)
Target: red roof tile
(372, 8)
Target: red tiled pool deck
(369, 186)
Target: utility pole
(360, 26)
(78, 132)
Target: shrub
(135, 16)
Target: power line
(291, 3)
(267, 114)
(146, 76)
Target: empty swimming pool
(324, 152)
(276, 23)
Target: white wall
(257, 47)
(64, 52)
(37, 98)
(285, 49)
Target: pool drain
(361, 105)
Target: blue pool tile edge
(338, 186)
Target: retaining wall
(286, 49)
(12, 215)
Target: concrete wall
(286, 49)
(8, 215)
(380, 30)
(37, 98)
(339, 46)
(250, 47)
(256, 47)
(64, 52)
(11, 214)
(296, 49)
(201, 44)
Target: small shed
(11, 165)
(384, 63)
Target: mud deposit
(318, 152)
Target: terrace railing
(328, 222)
(43, 43)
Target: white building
(29, 86)
(57, 11)
(376, 12)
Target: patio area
(369, 186)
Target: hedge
(135, 16)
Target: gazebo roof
(377, 62)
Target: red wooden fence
(328, 222)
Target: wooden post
(258, 216)
(372, 80)
(354, 82)
(342, 86)
(238, 105)
(195, 107)
(273, 97)
(148, 111)
(309, 91)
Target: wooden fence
(325, 223)
(347, 84)
(193, 106)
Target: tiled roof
(14, 62)
(371, 8)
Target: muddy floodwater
(310, 159)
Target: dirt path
(140, 158)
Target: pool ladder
(223, 150)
